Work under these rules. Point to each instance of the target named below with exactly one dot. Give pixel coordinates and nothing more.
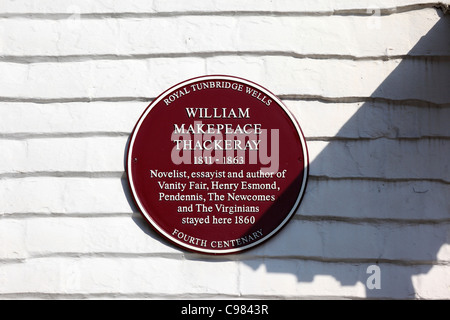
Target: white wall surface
(367, 80)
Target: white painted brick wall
(250, 33)
(367, 81)
(287, 75)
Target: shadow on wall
(392, 203)
(394, 215)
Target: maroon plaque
(217, 164)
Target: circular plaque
(217, 164)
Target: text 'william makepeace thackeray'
(224, 143)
